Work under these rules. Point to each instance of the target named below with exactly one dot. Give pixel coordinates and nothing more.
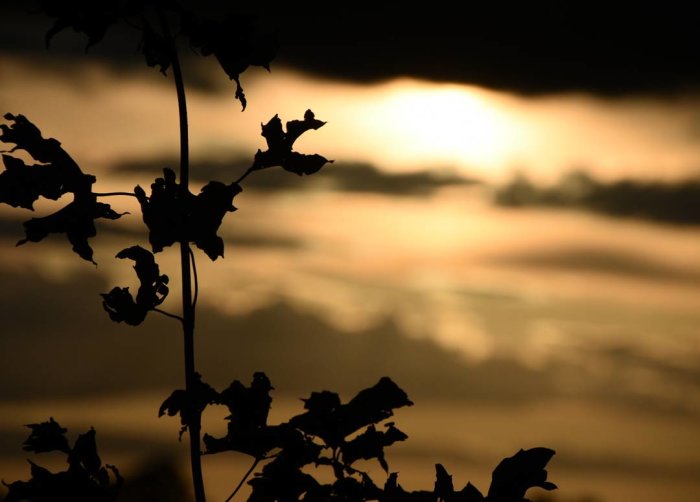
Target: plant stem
(188, 312)
(240, 484)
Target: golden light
(440, 123)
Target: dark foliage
(58, 174)
(85, 479)
(329, 434)
(335, 435)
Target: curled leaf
(119, 303)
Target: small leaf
(517, 474)
(47, 436)
(280, 146)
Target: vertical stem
(188, 311)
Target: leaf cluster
(237, 41)
(86, 479)
(53, 175)
(336, 435)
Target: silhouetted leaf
(333, 422)
(47, 436)
(85, 480)
(76, 220)
(372, 405)
(84, 16)
(443, 483)
(280, 144)
(173, 215)
(247, 430)
(84, 454)
(119, 303)
(189, 405)
(516, 474)
(281, 481)
(237, 42)
(154, 47)
(21, 185)
(370, 444)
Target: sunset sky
(396, 259)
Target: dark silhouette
(329, 433)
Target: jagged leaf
(280, 146)
(247, 430)
(46, 436)
(517, 474)
(173, 215)
(333, 422)
(370, 444)
(21, 185)
(76, 220)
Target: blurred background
(510, 231)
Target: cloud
(343, 176)
(528, 49)
(656, 201)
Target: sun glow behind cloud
(401, 125)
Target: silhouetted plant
(328, 434)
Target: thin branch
(245, 174)
(168, 314)
(245, 477)
(188, 312)
(196, 282)
(112, 194)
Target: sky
(396, 259)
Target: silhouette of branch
(196, 282)
(112, 194)
(168, 314)
(245, 174)
(188, 311)
(245, 477)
